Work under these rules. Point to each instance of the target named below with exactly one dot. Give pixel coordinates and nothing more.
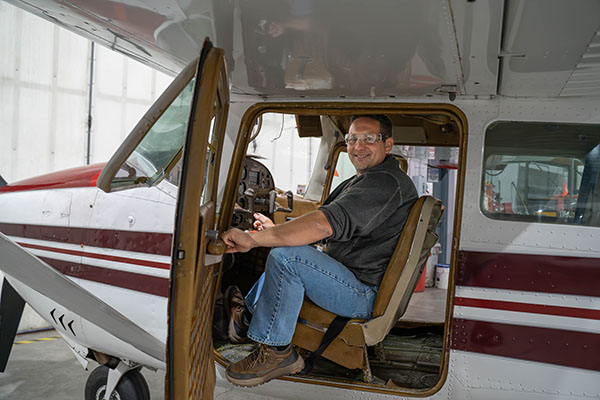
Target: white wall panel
(70, 142)
(73, 62)
(10, 20)
(36, 51)
(139, 81)
(107, 131)
(109, 73)
(31, 148)
(7, 118)
(44, 92)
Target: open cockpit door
(196, 253)
(187, 121)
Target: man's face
(363, 155)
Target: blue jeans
(292, 273)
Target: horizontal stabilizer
(11, 309)
(21, 265)
(2, 181)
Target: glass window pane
(161, 145)
(288, 157)
(542, 172)
(343, 170)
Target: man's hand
(262, 222)
(306, 229)
(238, 241)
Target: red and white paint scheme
(523, 314)
(116, 245)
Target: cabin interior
(291, 179)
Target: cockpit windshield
(160, 149)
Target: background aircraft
(516, 99)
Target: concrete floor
(427, 306)
(46, 368)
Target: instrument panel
(253, 193)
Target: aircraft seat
(349, 348)
(403, 162)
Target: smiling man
(360, 223)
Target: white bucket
(442, 273)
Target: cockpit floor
(412, 360)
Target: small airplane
(124, 258)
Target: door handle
(216, 246)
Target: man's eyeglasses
(367, 138)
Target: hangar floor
(41, 365)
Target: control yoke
(250, 195)
(274, 207)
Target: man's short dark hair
(384, 122)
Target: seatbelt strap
(334, 329)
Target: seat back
(404, 269)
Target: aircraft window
(540, 172)
(343, 170)
(161, 145)
(289, 157)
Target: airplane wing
(21, 265)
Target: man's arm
(306, 229)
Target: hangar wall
(44, 93)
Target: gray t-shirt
(367, 214)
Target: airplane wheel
(132, 386)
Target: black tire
(132, 386)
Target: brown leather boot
(236, 306)
(263, 364)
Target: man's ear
(389, 143)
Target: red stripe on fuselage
(127, 260)
(553, 346)
(123, 279)
(528, 308)
(528, 272)
(141, 242)
(85, 176)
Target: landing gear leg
(124, 382)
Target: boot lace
(260, 355)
